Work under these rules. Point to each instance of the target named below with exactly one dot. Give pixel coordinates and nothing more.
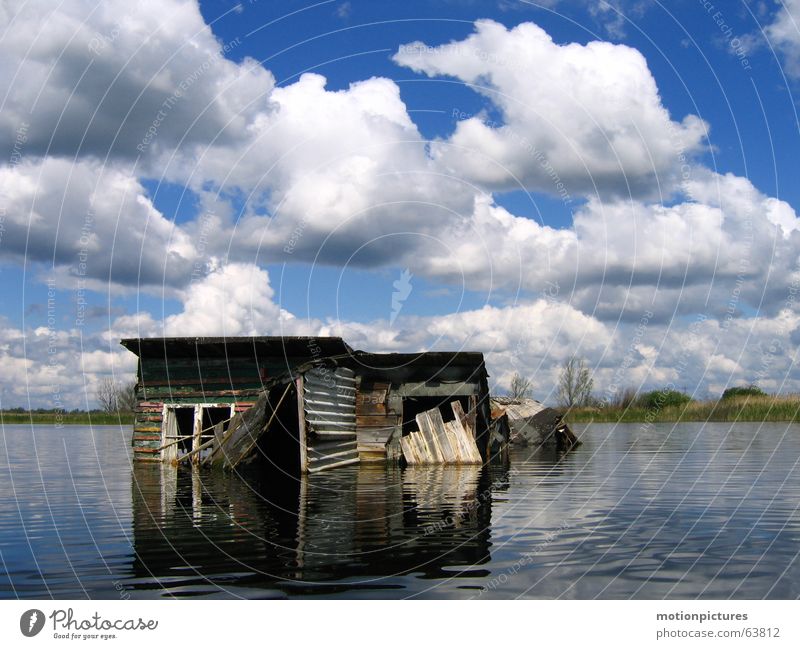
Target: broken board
(440, 442)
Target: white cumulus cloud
(588, 116)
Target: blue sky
(548, 174)
(752, 112)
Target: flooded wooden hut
(300, 404)
(187, 386)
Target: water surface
(669, 511)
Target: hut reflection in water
(200, 532)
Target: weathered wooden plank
(408, 450)
(376, 421)
(170, 395)
(151, 444)
(371, 446)
(420, 448)
(415, 451)
(466, 440)
(377, 435)
(243, 430)
(455, 442)
(428, 389)
(140, 457)
(464, 451)
(442, 440)
(424, 453)
(458, 411)
(147, 429)
(383, 430)
(437, 442)
(428, 431)
(371, 409)
(324, 466)
(317, 459)
(368, 455)
(301, 425)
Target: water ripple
(670, 511)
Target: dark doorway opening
(184, 423)
(279, 446)
(412, 406)
(214, 423)
(214, 416)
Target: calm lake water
(674, 511)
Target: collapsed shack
(300, 404)
(303, 422)
(526, 422)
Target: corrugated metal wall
(329, 401)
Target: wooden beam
(449, 455)
(408, 451)
(422, 389)
(466, 438)
(196, 441)
(455, 443)
(429, 434)
(301, 425)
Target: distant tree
(575, 384)
(107, 394)
(520, 386)
(113, 396)
(751, 390)
(126, 396)
(657, 399)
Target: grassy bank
(747, 408)
(750, 408)
(95, 418)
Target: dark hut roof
(396, 360)
(306, 351)
(427, 366)
(232, 346)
